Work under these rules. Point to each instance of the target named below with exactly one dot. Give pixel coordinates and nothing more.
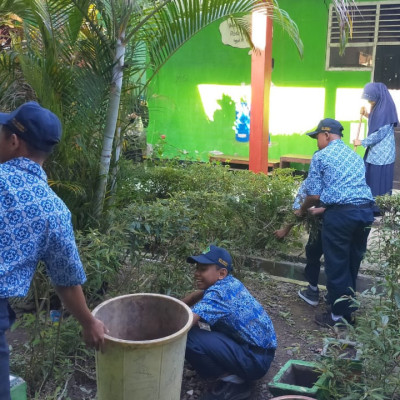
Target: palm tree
(83, 59)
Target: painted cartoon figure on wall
(242, 122)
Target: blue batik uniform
(337, 175)
(35, 225)
(241, 339)
(380, 154)
(300, 196)
(381, 146)
(229, 307)
(379, 160)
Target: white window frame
(372, 44)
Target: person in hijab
(380, 145)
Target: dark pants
(7, 317)
(214, 354)
(345, 232)
(313, 254)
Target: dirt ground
(298, 337)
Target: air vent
(389, 23)
(364, 18)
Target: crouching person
(232, 340)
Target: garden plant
(376, 332)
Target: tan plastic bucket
(144, 349)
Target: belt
(348, 206)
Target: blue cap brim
(201, 259)
(312, 134)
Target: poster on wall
(242, 121)
(230, 36)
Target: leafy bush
(182, 209)
(377, 328)
(54, 349)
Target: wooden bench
(239, 160)
(294, 158)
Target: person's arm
(74, 300)
(316, 210)
(364, 112)
(192, 298)
(196, 319)
(377, 136)
(313, 186)
(283, 232)
(309, 202)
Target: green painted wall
(176, 110)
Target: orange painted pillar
(261, 69)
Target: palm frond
(344, 10)
(176, 22)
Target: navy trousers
(7, 317)
(214, 354)
(345, 232)
(313, 254)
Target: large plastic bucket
(144, 349)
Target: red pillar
(261, 68)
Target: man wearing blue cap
(336, 179)
(35, 225)
(232, 339)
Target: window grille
(374, 24)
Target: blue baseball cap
(213, 255)
(327, 125)
(36, 125)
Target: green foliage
(184, 207)
(377, 328)
(55, 349)
(103, 255)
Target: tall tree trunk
(111, 124)
(114, 171)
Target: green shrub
(377, 328)
(197, 204)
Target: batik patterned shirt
(381, 146)
(300, 196)
(35, 225)
(228, 307)
(337, 175)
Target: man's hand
(357, 142)
(93, 334)
(192, 298)
(316, 210)
(74, 300)
(283, 232)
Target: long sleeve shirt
(381, 144)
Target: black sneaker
(326, 320)
(309, 296)
(228, 391)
